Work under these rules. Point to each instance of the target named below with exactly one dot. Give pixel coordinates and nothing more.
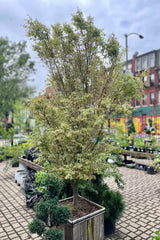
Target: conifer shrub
(99, 192)
(48, 214)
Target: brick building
(149, 105)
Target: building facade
(149, 106)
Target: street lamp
(126, 41)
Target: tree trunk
(12, 136)
(75, 194)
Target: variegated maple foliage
(87, 87)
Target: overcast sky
(113, 16)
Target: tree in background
(6, 133)
(21, 115)
(149, 129)
(74, 113)
(131, 127)
(15, 70)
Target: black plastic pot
(15, 164)
(128, 161)
(150, 170)
(127, 148)
(141, 167)
(109, 226)
(135, 149)
(147, 149)
(144, 150)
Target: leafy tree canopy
(84, 93)
(15, 70)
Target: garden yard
(75, 147)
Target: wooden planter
(28, 164)
(88, 227)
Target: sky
(113, 16)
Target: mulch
(84, 208)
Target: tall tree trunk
(75, 194)
(12, 136)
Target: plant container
(19, 176)
(15, 164)
(135, 149)
(88, 227)
(22, 167)
(150, 170)
(109, 226)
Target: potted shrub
(139, 142)
(11, 154)
(99, 192)
(154, 145)
(15, 151)
(3, 152)
(121, 137)
(156, 163)
(114, 204)
(15, 162)
(49, 215)
(149, 129)
(131, 140)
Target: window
(138, 64)
(137, 103)
(145, 80)
(130, 68)
(159, 77)
(151, 60)
(152, 98)
(144, 62)
(159, 97)
(145, 99)
(152, 76)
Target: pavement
(140, 219)
(14, 216)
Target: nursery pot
(109, 226)
(88, 227)
(15, 164)
(150, 170)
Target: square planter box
(88, 227)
